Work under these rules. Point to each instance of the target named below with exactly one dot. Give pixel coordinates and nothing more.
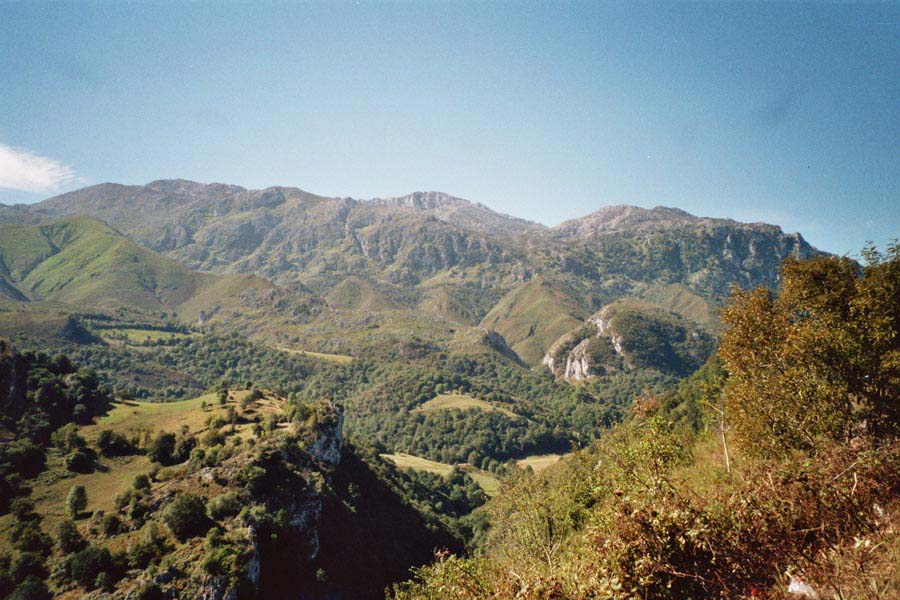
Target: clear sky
(787, 113)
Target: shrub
(150, 591)
(23, 509)
(218, 561)
(110, 524)
(162, 448)
(87, 564)
(80, 461)
(68, 538)
(28, 565)
(142, 554)
(225, 505)
(137, 511)
(24, 457)
(141, 482)
(111, 443)
(66, 438)
(186, 516)
(76, 501)
(31, 589)
(32, 539)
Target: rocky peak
(193, 188)
(461, 213)
(612, 219)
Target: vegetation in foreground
(777, 462)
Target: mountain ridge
(433, 262)
(617, 214)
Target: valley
(416, 375)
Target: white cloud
(28, 172)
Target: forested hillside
(772, 472)
(420, 383)
(427, 263)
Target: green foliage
(141, 482)
(817, 362)
(68, 538)
(111, 443)
(186, 516)
(150, 591)
(76, 501)
(80, 461)
(87, 564)
(31, 589)
(110, 524)
(66, 438)
(28, 565)
(30, 538)
(225, 505)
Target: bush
(32, 539)
(24, 457)
(87, 564)
(225, 505)
(110, 524)
(150, 591)
(142, 554)
(28, 565)
(111, 443)
(80, 461)
(186, 516)
(66, 438)
(76, 501)
(31, 589)
(141, 482)
(137, 511)
(162, 448)
(23, 510)
(68, 538)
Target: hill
(426, 262)
(534, 314)
(630, 334)
(83, 263)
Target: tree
(186, 516)
(76, 501)
(87, 564)
(162, 448)
(68, 538)
(31, 589)
(141, 482)
(818, 362)
(111, 443)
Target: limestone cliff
(629, 334)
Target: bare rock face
(327, 446)
(578, 364)
(629, 334)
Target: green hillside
(533, 315)
(354, 293)
(81, 262)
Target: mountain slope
(82, 262)
(630, 334)
(534, 314)
(446, 262)
(462, 213)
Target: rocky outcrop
(329, 438)
(629, 334)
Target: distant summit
(462, 213)
(427, 262)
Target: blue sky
(787, 113)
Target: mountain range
(339, 274)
